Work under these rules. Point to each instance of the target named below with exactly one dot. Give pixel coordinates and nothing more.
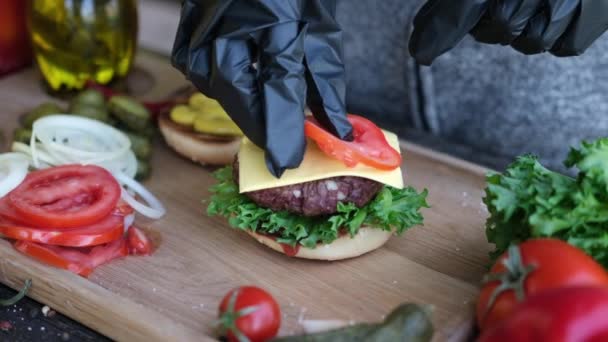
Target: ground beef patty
(317, 197)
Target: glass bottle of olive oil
(78, 40)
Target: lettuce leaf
(392, 209)
(530, 201)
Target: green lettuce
(392, 209)
(530, 201)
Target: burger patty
(314, 198)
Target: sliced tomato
(369, 146)
(109, 229)
(138, 242)
(53, 257)
(81, 261)
(68, 196)
(123, 209)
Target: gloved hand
(562, 27)
(297, 48)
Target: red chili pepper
(570, 314)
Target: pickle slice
(183, 115)
(207, 125)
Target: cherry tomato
(369, 146)
(569, 314)
(249, 312)
(81, 261)
(138, 242)
(532, 267)
(69, 196)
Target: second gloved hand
(296, 47)
(562, 27)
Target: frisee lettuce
(530, 201)
(392, 209)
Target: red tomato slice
(81, 261)
(109, 229)
(52, 257)
(138, 242)
(68, 196)
(369, 146)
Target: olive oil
(79, 40)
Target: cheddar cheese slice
(316, 165)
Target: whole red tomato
(569, 314)
(532, 267)
(249, 312)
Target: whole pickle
(140, 145)
(130, 112)
(44, 109)
(91, 112)
(90, 97)
(22, 135)
(143, 170)
(407, 323)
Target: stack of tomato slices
(71, 217)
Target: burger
(201, 131)
(334, 206)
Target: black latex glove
(562, 27)
(297, 46)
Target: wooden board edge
(46, 280)
(444, 158)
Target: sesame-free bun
(200, 148)
(345, 247)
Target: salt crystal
(29, 328)
(45, 310)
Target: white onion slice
(81, 139)
(128, 221)
(44, 159)
(153, 210)
(13, 168)
(69, 139)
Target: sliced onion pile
(67, 139)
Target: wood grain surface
(173, 295)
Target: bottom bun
(345, 247)
(195, 146)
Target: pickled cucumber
(130, 112)
(44, 109)
(205, 115)
(204, 124)
(183, 115)
(143, 170)
(198, 100)
(91, 112)
(23, 135)
(140, 145)
(89, 97)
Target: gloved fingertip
(275, 170)
(420, 54)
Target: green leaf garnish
(530, 201)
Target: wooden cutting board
(173, 295)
